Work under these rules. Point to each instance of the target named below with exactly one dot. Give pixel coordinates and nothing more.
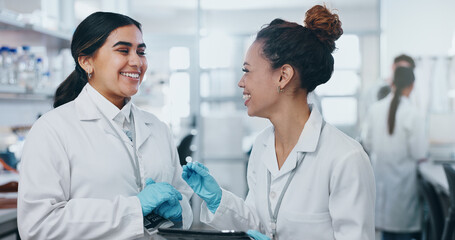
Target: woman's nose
(136, 60)
(241, 83)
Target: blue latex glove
(257, 235)
(170, 210)
(203, 184)
(155, 194)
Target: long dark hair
(306, 48)
(89, 36)
(402, 78)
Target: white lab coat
(77, 180)
(394, 159)
(331, 196)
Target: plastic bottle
(46, 81)
(26, 69)
(39, 71)
(6, 65)
(2, 81)
(12, 69)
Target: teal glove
(170, 210)
(155, 194)
(257, 235)
(203, 184)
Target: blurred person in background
(96, 164)
(306, 179)
(402, 60)
(395, 138)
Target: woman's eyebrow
(123, 43)
(141, 45)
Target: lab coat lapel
(88, 112)
(269, 155)
(270, 160)
(143, 126)
(307, 143)
(86, 109)
(309, 138)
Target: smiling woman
(306, 179)
(117, 68)
(85, 173)
(102, 52)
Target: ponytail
(393, 110)
(69, 89)
(402, 78)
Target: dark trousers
(400, 236)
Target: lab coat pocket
(310, 226)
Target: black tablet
(174, 234)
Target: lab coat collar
(142, 124)
(91, 105)
(126, 110)
(106, 107)
(85, 108)
(87, 111)
(308, 142)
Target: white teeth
(131, 75)
(246, 96)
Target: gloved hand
(155, 194)
(170, 210)
(257, 235)
(203, 184)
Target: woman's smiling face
(118, 66)
(259, 87)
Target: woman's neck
(119, 103)
(288, 125)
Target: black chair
(449, 226)
(433, 220)
(184, 148)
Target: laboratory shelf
(12, 89)
(21, 93)
(25, 33)
(15, 33)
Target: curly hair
(306, 48)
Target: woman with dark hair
(306, 179)
(395, 138)
(93, 167)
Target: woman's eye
(244, 70)
(123, 50)
(141, 53)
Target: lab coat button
(272, 194)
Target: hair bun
(325, 25)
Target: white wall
(418, 28)
(183, 21)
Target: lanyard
(274, 215)
(133, 159)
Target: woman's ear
(86, 63)
(286, 74)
